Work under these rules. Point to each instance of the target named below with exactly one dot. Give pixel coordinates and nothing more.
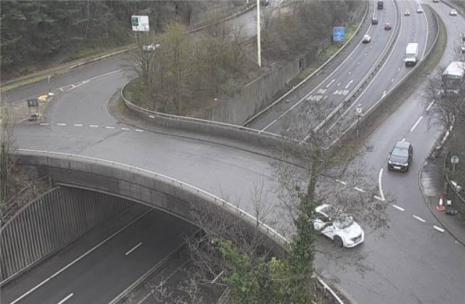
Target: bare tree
(6, 159)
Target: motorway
(80, 275)
(411, 262)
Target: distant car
(419, 10)
(407, 13)
(453, 12)
(435, 1)
(462, 48)
(374, 20)
(366, 39)
(339, 227)
(400, 157)
(387, 27)
(150, 47)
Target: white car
(366, 39)
(419, 10)
(341, 228)
(150, 47)
(407, 13)
(453, 12)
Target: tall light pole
(259, 45)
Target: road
(411, 262)
(100, 275)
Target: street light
(359, 113)
(259, 45)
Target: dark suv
(400, 157)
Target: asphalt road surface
(78, 275)
(411, 262)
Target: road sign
(140, 23)
(339, 33)
(33, 102)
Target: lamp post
(259, 45)
(359, 113)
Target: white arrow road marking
(330, 83)
(347, 85)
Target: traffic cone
(440, 207)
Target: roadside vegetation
(38, 34)
(187, 75)
(17, 187)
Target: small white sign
(140, 23)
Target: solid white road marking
(380, 184)
(139, 130)
(341, 182)
(418, 218)
(416, 123)
(109, 127)
(78, 259)
(93, 126)
(66, 298)
(359, 189)
(78, 125)
(330, 83)
(44, 123)
(398, 207)
(348, 84)
(430, 105)
(61, 124)
(132, 249)
(438, 228)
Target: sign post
(339, 34)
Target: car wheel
(338, 241)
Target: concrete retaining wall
(49, 223)
(143, 186)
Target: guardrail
(367, 78)
(394, 90)
(47, 158)
(66, 67)
(322, 66)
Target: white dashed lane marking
(416, 123)
(109, 127)
(359, 189)
(341, 182)
(61, 124)
(78, 125)
(398, 207)
(66, 298)
(438, 228)
(419, 218)
(93, 126)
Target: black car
(400, 157)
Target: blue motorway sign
(339, 33)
